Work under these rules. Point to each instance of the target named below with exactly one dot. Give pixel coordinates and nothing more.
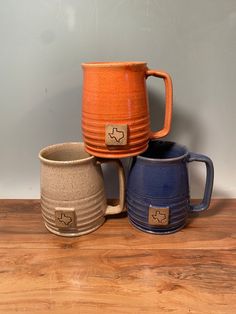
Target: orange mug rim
(113, 63)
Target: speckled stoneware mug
(158, 198)
(72, 190)
(115, 110)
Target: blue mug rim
(182, 156)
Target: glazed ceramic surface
(115, 114)
(158, 199)
(72, 190)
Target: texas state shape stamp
(116, 134)
(158, 216)
(65, 218)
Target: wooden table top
(117, 269)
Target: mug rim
(184, 155)
(64, 162)
(112, 63)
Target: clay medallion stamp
(158, 216)
(65, 218)
(116, 134)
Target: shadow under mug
(158, 199)
(72, 190)
(115, 111)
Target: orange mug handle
(169, 102)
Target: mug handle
(209, 181)
(168, 104)
(116, 209)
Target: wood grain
(117, 268)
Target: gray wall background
(44, 42)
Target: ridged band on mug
(138, 212)
(89, 213)
(94, 133)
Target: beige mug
(73, 197)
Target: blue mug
(158, 199)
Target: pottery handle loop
(168, 105)
(204, 204)
(116, 209)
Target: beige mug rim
(64, 162)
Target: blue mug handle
(209, 181)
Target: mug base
(114, 155)
(165, 231)
(73, 234)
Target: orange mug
(115, 113)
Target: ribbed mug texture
(72, 190)
(115, 112)
(158, 199)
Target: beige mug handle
(116, 209)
